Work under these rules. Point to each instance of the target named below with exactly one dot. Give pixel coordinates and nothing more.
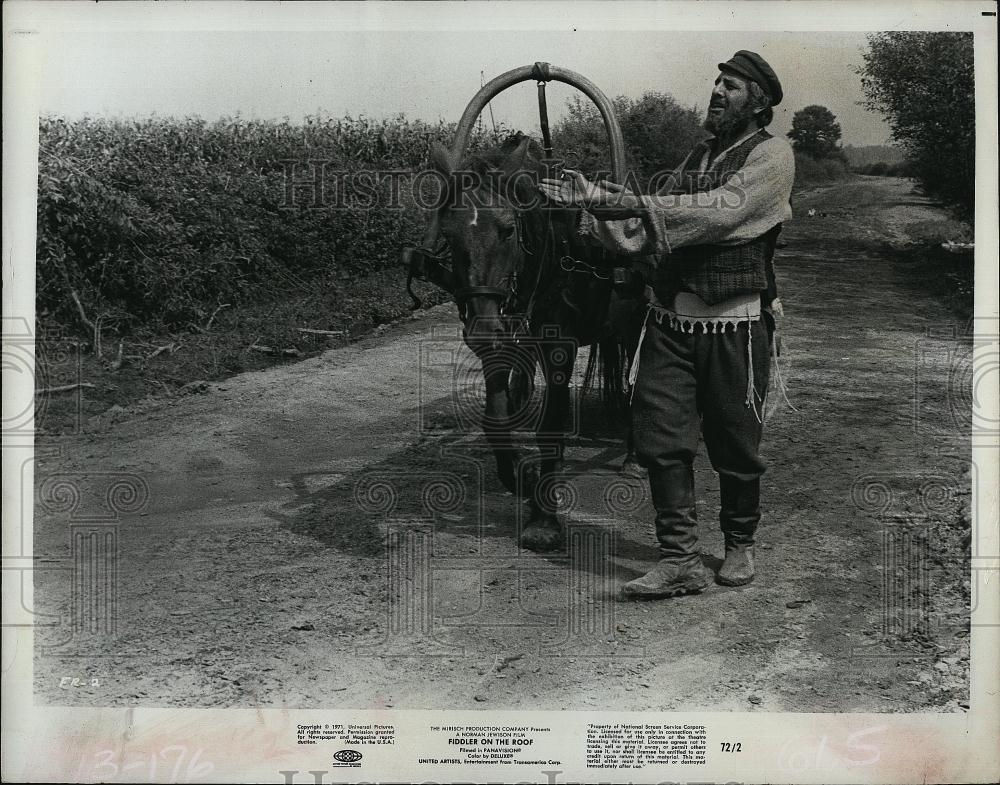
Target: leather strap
(467, 292)
(543, 121)
(541, 74)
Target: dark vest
(718, 272)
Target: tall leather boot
(680, 570)
(739, 515)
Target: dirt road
(260, 528)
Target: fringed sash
(690, 311)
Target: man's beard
(730, 123)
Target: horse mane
(495, 165)
(496, 157)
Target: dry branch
(119, 359)
(170, 347)
(274, 351)
(64, 388)
(98, 348)
(311, 331)
(208, 324)
(95, 328)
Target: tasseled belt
(688, 312)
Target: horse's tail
(606, 367)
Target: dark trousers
(692, 381)
(698, 381)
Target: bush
(858, 158)
(924, 83)
(810, 171)
(901, 169)
(156, 222)
(885, 169)
(658, 133)
(834, 168)
(935, 231)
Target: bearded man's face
(731, 107)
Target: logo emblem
(347, 756)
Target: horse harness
(434, 265)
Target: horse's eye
(506, 232)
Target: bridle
(435, 265)
(505, 295)
(429, 264)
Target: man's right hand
(614, 188)
(607, 201)
(573, 190)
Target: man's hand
(608, 202)
(614, 188)
(573, 190)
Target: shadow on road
(449, 478)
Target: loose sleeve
(752, 201)
(637, 236)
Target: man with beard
(704, 355)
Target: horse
(530, 289)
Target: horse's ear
(518, 159)
(441, 158)
(512, 142)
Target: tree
(658, 133)
(816, 133)
(924, 83)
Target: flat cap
(753, 66)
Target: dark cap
(752, 66)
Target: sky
(428, 74)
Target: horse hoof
(541, 539)
(632, 469)
(529, 481)
(508, 480)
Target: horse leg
(630, 466)
(496, 422)
(522, 381)
(543, 531)
(628, 325)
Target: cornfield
(158, 221)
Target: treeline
(877, 159)
(883, 169)
(924, 85)
(159, 221)
(658, 133)
(867, 155)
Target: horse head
(495, 229)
